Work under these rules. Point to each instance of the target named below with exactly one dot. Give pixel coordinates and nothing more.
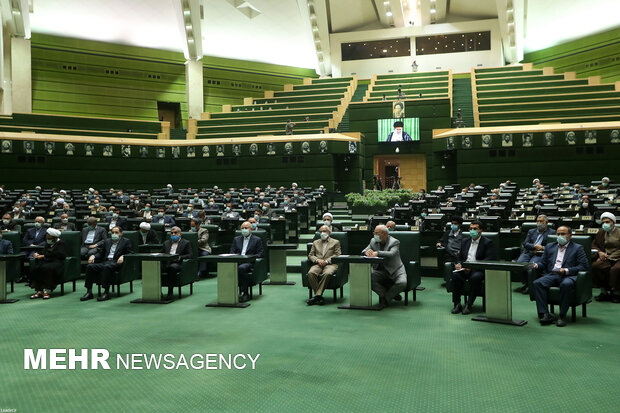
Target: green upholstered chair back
(15, 238)
(494, 237)
(73, 240)
(409, 245)
(213, 234)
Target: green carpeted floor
(419, 358)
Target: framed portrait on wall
(507, 140)
(486, 141)
(7, 146)
(69, 149)
(398, 110)
(549, 139)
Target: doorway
(411, 169)
(170, 112)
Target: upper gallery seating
(79, 125)
(429, 84)
(322, 101)
(521, 95)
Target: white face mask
(377, 238)
(327, 222)
(324, 236)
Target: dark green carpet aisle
(419, 358)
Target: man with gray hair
(182, 248)
(533, 247)
(321, 254)
(389, 278)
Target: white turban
(91, 189)
(60, 201)
(327, 214)
(145, 225)
(53, 232)
(605, 179)
(609, 215)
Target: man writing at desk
(389, 278)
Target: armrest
(414, 277)
(512, 249)
(308, 247)
(583, 289)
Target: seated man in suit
(560, 263)
(229, 213)
(114, 220)
(46, 273)
(108, 259)
(35, 236)
(64, 224)
(328, 219)
(7, 223)
(452, 239)
(475, 247)
(267, 214)
(96, 207)
(286, 205)
(321, 253)
(606, 268)
(92, 238)
(182, 248)
(246, 244)
(147, 235)
(6, 246)
(146, 213)
(160, 218)
(388, 278)
(533, 247)
(391, 226)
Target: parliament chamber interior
(352, 205)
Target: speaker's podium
(227, 281)
(497, 289)
(151, 277)
(360, 291)
(3, 275)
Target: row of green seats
(77, 122)
(538, 84)
(412, 75)
(549, 105)
(519, 79)
(330, 91)
(548, 98)
(568, 119)
(260, 127)
(227, 133)
(520, 73)
(545, 91)
(291, 111)
(270, 119)
(271, 102)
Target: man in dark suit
(7, 223)
(92, 238)
(147, 235)
(246, 244)
(109, 259)
(35, 236)
(533, 247)
(64, 224)
(182, 248)
(114, 220)
(452, 239)
(473, 248)
(6, 246)
(560, 263)
(160, 218)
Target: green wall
(595, 55)
(228, 81)
(88, 78)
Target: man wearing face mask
(604, 184)
(160, 218)
(389, 278)
(45, 274)
(606, 268)
(146, 235)
(246, 244)
(18, 213)
(197, 203)
(560, 263)
(286, 205)
(146, 213)
(114, 220)
(229, 213)
(328, 221)
(64, 224)
(452, 238)
(267, 213)
(102, 265)
(204, 248)
(596, 222)
(321, 254)
(35, 236)
(475, 247)
(190, 212)
(7, 223)
(533, 247)
(182, 248)
(391, 226)
(92, 238)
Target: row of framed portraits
(526, 140)
(143, 151)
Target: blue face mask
(423, 214)
(473, 233)
(227, 209)
(285, 203)
(253, 226)
(562, 240)
(454, 227)
(607, 226)
(175, 238)
(245, 232)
